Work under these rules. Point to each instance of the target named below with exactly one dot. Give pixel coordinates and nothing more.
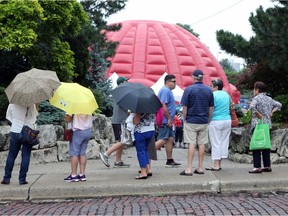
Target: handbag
(68, 134)
(29, 136)
(127, 139)
(260, 139)
(234, 119)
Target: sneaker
(172, 163)
(82, 177)
(104, 159)
(121, 164)
(71, 179)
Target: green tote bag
(261, 137)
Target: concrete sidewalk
(46, 180)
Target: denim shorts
(165, 132)
(79, 143)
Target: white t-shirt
(82, 122)
(20, 115)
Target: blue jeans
(15, 145)
(142, 140)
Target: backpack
(160, 117)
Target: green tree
(99, 83)
(39, 39)
(226, 65)
(18, 23)
(266, 53)
(188, 28)
(231, 73)
(94, 34)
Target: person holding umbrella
(119, 116)
(143, 133)
(19, 116)
(79, 103)
(24, 93)
(82, 128)
(136, 97)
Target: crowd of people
(205, 115)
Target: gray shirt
(119, 114)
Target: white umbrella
(33, 86)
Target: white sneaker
(104, 159)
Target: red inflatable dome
(147, 49)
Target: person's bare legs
(217, 164)
(143, 171)
(191, 153)
(118, 147)
(118, 154)
(160, 143)
(169, 147)
(201, 154)
(74, 163)
(83, 161)
(148, 168)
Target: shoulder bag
(29, 136)
(234, 119)
(261, 137)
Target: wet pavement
(114, 191)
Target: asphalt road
(273, 203)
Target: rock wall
(239, 145)
(52, 148)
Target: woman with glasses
(220, 125)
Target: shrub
(282, 116)
(246, 118)
(239, 111)
(49, 114)
(105, 103)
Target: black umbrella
(136, 97)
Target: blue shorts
(79, 143)
(165, 132)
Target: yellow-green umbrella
(74, 99)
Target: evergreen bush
(282, 116)
(49, 114)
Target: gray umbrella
(33, 86)
(136, 97)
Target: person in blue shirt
(165, 132)
(198, 103)
(220, 125)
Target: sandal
(140, 177)
(198, 172)
(148, 174)
(212, 169)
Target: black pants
(179, 135)
(265, 156)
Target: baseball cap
(122, 79)
(197, 74)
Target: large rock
(4, 137)
(239, 145)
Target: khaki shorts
(195, 133)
